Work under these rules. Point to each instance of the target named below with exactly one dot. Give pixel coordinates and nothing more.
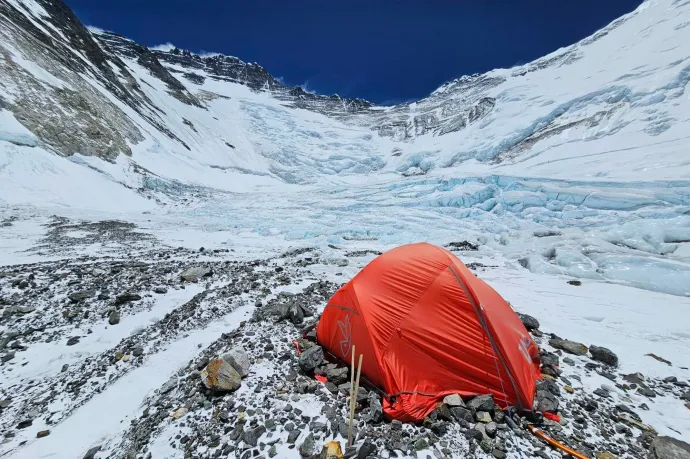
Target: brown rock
(331, 450)
(220, 376)
(180, 412)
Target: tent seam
(485, 326)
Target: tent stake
(353, 401)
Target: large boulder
(220, 376)
(311, 358)
(603, 355)
(571, 347)
(669, 448)
(239, 360)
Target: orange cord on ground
(554, 443)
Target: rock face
(311, 358)
(571, 347)
(603, 355)
(220, 376)
(239, 360)
(669, 448)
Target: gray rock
(160, 290)
(306, 449)
(251, 436)
(481, 403)
(461, 413)
(375, 408)
(601, 392)
(603, 355)
(239, 360)
(491, 429)
(647, 392)
(5, 403)
(80, 296)
(529, 322)
(127, 298)
(295, 314)
(548, 358)
(7, 357)
(421, 444)
(570, 347)
(24, 424)
(366, 449)
(498, 454)
(669, 448)
(114, 317)
(337, 375)
(168, 386)
(635, 378)
(453, 400)
(483, 416)
(546, 401)
(195, 273)
(91, 453)
(220, 376)
(72, 341)
(311, 358)
(137, 351)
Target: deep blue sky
(385, 51)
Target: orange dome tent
(428, 327)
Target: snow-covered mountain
(564, 183)
(589, 141)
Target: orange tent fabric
(428, 327)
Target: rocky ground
(72, 327)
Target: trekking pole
(541, 434)
(354, 401)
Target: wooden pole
(353, 401)
(352, 388)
